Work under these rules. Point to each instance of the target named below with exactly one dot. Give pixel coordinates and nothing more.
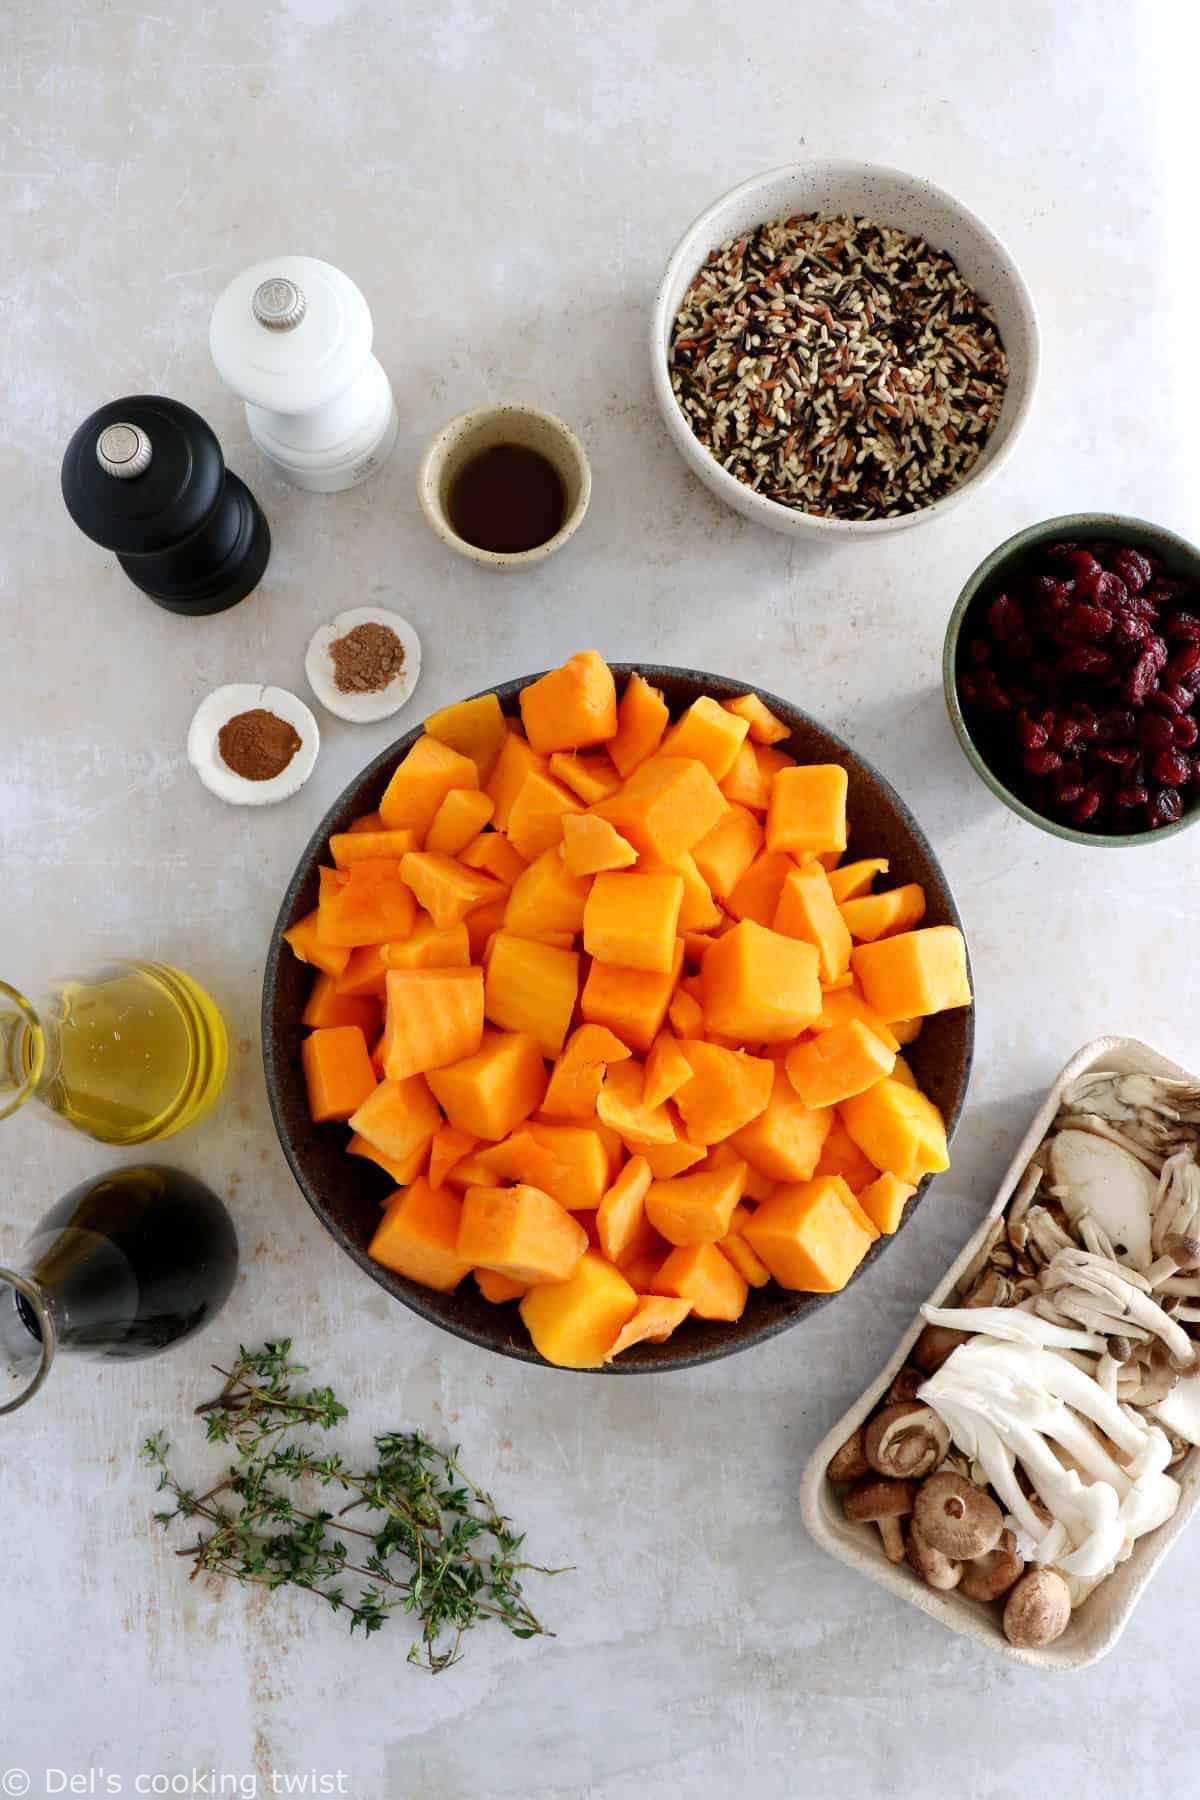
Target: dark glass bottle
(123, 1267)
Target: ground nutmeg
(257, 745)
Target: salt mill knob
(292, 336)
(145, 477)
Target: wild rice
(838, 366)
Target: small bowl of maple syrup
(505, 486)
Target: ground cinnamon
(366, 659)
(257, 745)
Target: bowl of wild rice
(841, 349)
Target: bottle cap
(278, 304)
(123, 450)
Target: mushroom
(934, 1345)
(988, 1576)
(957, 1518)
(850, 1462)
(1184, 1251)
(878, 1501)
(1038, 1609)
(935, 1570)
(905, 1385)
(906, 1440)
(1093, 1175)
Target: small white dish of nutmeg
(1030, 1453)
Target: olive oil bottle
(130, 1053)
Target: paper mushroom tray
(1099, 1622)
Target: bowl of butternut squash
(617, 1018)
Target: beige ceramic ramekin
(482, 428)
(1099, 1622)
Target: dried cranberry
(1087, 661)
(1049, 591)
(1110, 591)
(1186, 732)
(1066, 793)
(1086, 807)
(1172, 698)
(1138, 606)
(1065, 733)
(1085, 569)
(1031, 735)
(1129, 632)
(1005, 618)
(1132, 567)
(1085, 718)
(1183, 625)
(1041, 762)
(1184, 666)
(1138, 682)
(1084, 624)
(1166, 807)
(1115, 725)
(1134, 794)
(1155, 732)
(1064, 548)
(1170, 767)
(1156, 648)
(1116, 755)
(979, 652)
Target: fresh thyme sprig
(443, 1552)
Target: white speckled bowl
(868, 190)
(482, 428)
(1099, 1622)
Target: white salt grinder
(292, 336)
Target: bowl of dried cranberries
(1072, 677)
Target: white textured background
(505, 183)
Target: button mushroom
(850, 1462)
(1038, 1609)
(987, 1577)
(935, 1570)
(879, 1501)
(957, 1518)
(907, 1440)
(905, 1385)
(934, 1345)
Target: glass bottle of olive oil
(129, 1053)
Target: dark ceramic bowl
(1182, 560)
(345, 1191)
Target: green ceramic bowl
(990, 578)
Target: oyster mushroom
(1104, 1282)
(1178, 1207)
(850, 1462)
(988, 1576)
(935, 1570)
(1038, 1609)
(957, 1518)
(1094, 1176)
(906, 1440)
(876, 1500)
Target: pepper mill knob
(145, 477)
(293, 337)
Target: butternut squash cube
(852, 880)
(785, 1141)
(696, 1209)
(698, 911)
(667, 1068)
(305, 943)
(531, 987)
(756, 895)
(572, 707)
(756, 1186)
(483, 924)
(404, 1170)
(337, 1071)
(327, 1007)
(368, 903)
(709, 733)
(621, 1223)
(498, 1288)
(487, 1093)
(583, 1172)
(347, 847)
(535, 822)
(631, 1002)
(418, 1237)
(515, 762)
(686, 1015)
(434, 1017)
(749, 1265)
(642, 718)
(591, 845)
(476, 728)
(808, 1236)
(575, 1323)
(427, 947)
(576, 1078)
(808, 910)
(840, 1155)
(546, 900)
(726, 1091)
(749, 781)
(518, 1157)
(900, 1129)
(834, 1065)
(758, 986)
(882, 915)
(398, 1117)
(906, 1031)
(884, 1201)
(461, 816)
(448, 1147)
(725, 853)
(446, 888)
(807, 809)
(699, 1273)
(428, 773)
(841, 1005)
(902, 1072)
(667, 805)
(652, 1323)
(631, 920)
(365, 974)
(590, 778)
(519, 1232)
(668, 1160)
(366, 822)
(765, 728)
(621, 1105)
(492, 854)
(914, 974)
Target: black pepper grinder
(145, 478)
